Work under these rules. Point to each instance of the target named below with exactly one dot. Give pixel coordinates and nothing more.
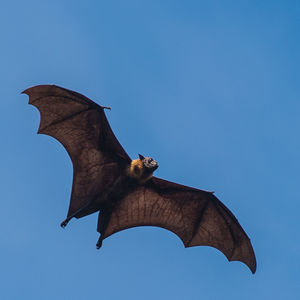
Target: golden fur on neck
(138, 171)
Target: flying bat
(124, 191)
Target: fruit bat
(124, 191)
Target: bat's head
(149, 163)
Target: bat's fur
(138, 171)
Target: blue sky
(210, 89)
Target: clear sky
(210, 89)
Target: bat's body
(129, 178)
(124, 191)
(139, 172)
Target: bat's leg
(65, 222)
(103, 219)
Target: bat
(124, 191)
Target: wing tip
(251, 264)
(26, 91)
(250, 261)
(39, 91)
(36, 89)
(252, 268)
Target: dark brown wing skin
(81, 126)
(196, 216)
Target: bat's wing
(196, 216)
(81, 126)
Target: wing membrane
(82, 128)
(196, 216)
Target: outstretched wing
(196, 216)
(81, 126)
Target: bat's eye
(150, 160)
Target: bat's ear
(141, 157)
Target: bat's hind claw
(64, 223)
(99, 243)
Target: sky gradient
(210, 89)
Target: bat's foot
(64, 223)
(99, 243)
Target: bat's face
(150, 163)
